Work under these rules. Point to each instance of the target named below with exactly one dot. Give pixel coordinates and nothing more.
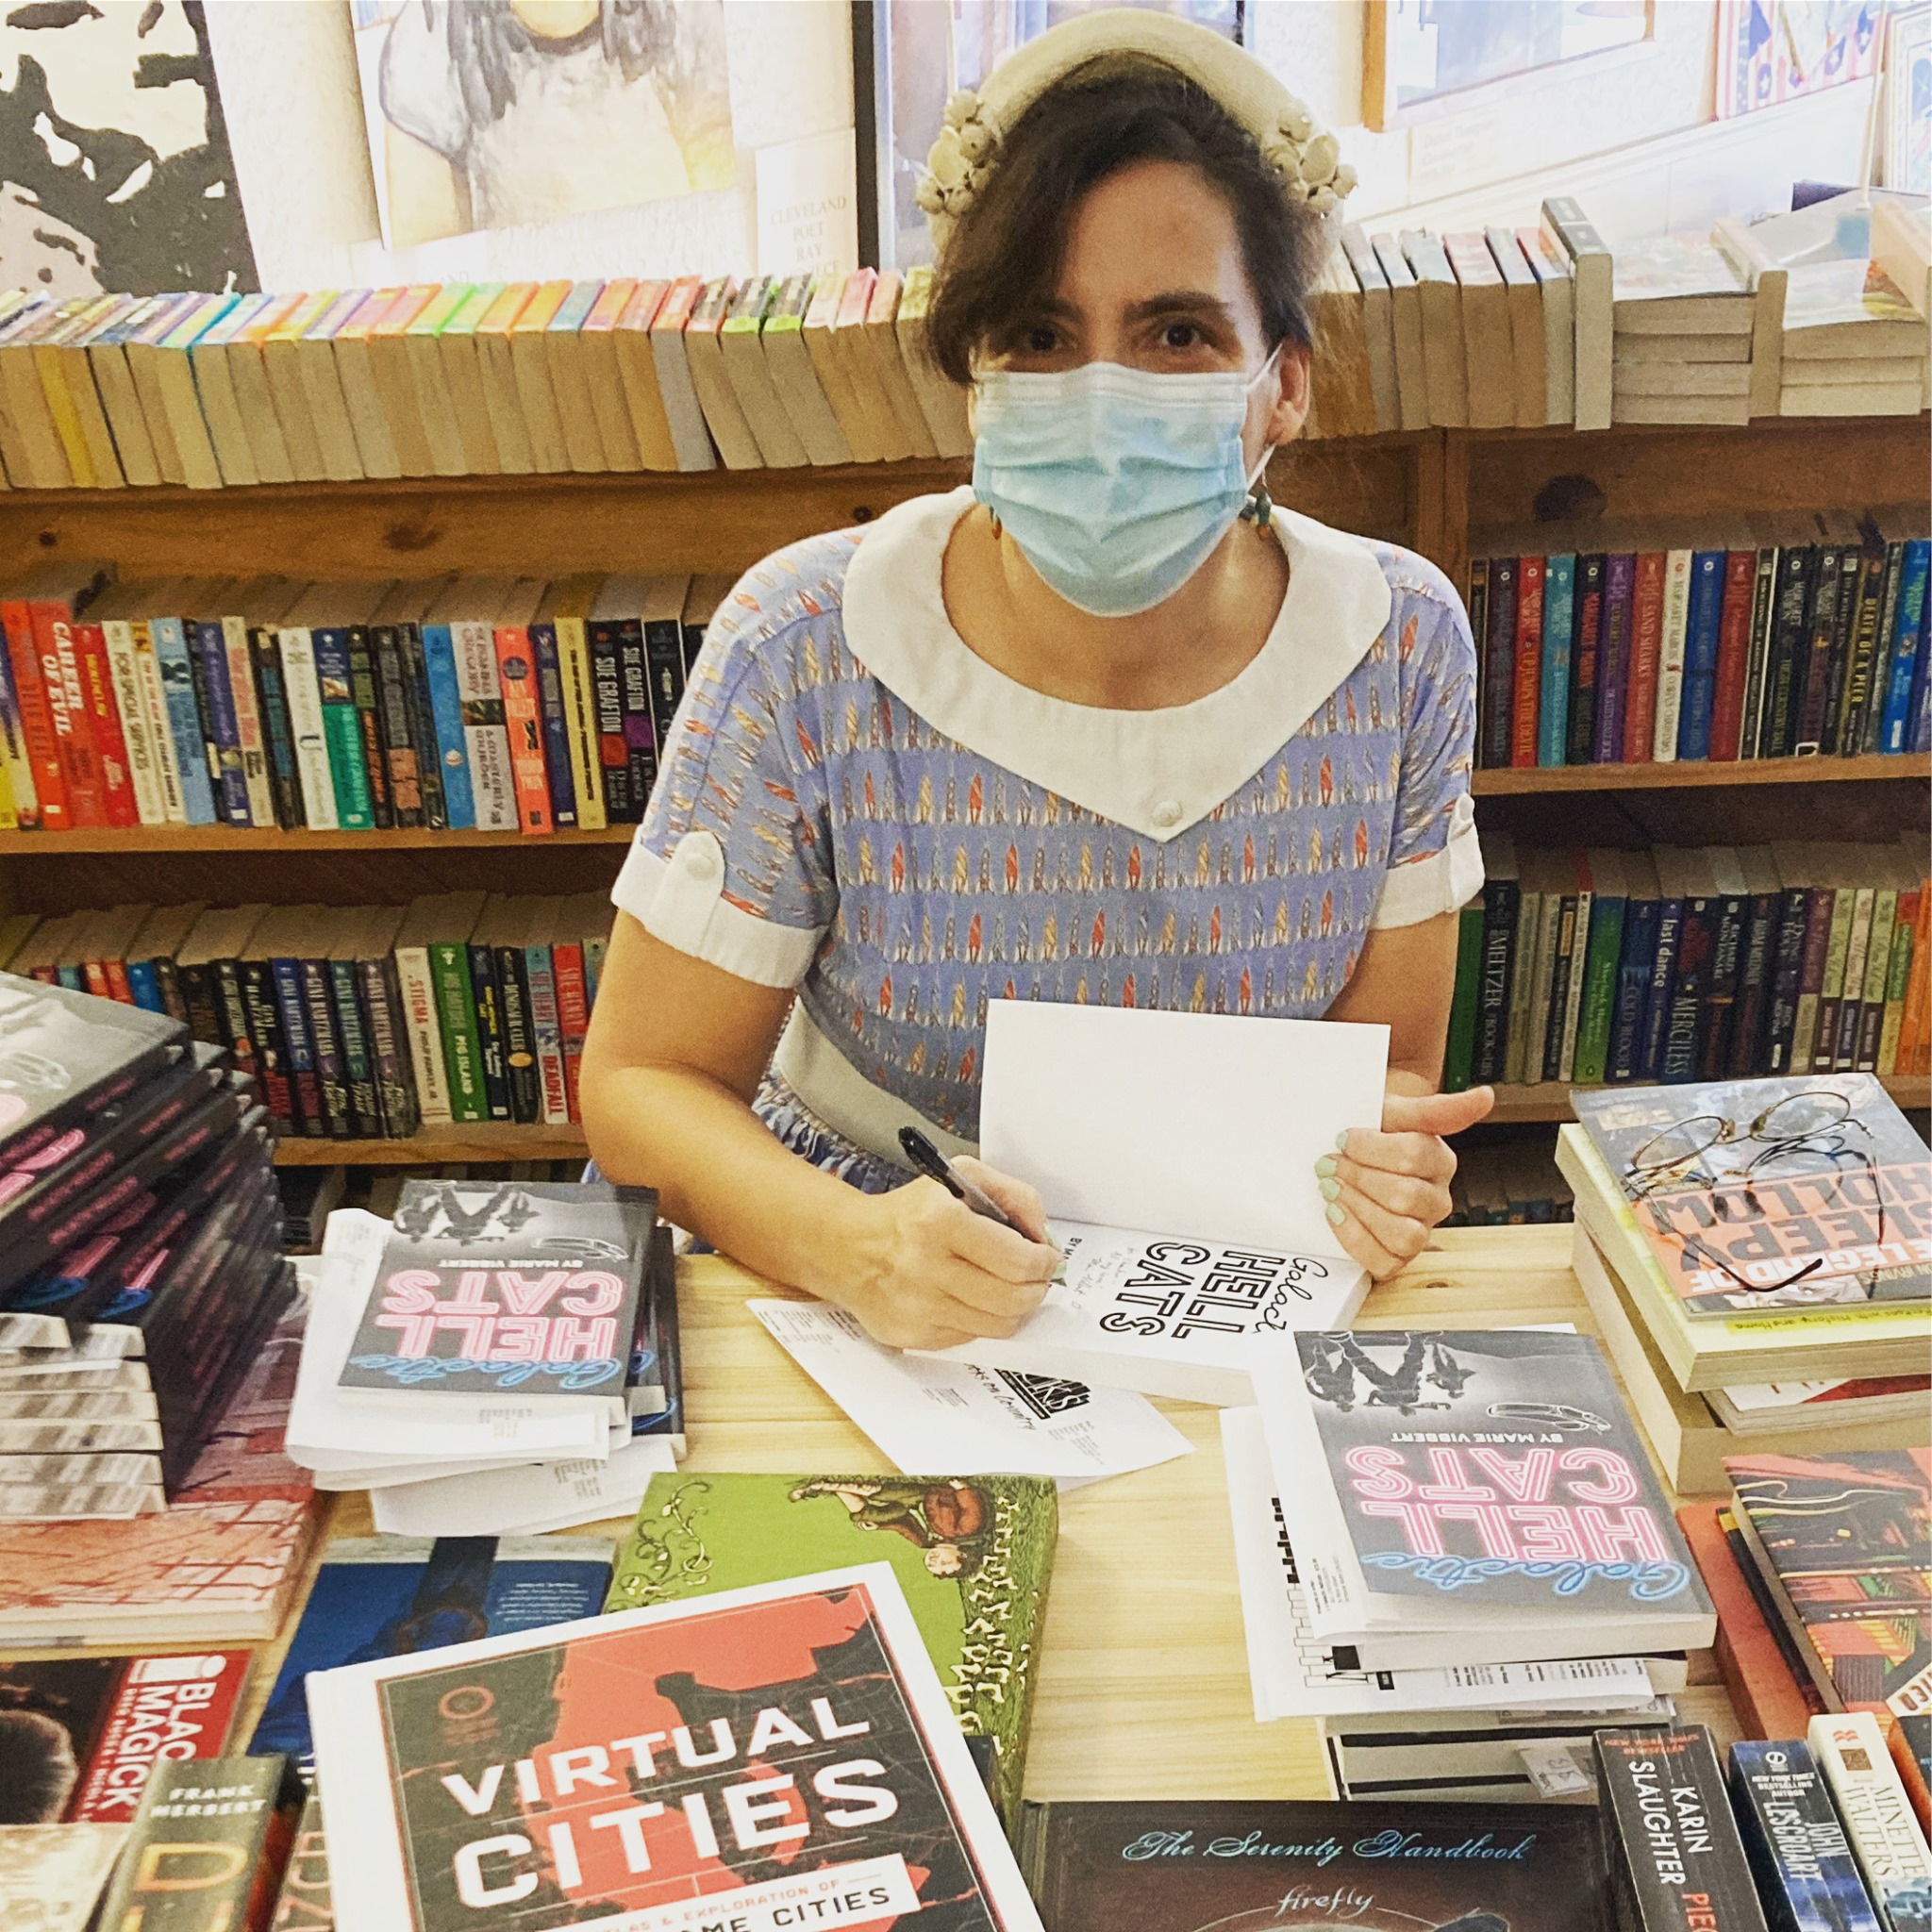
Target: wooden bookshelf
(1549, 1100)
(437, 1147)
(215, 840)
(1516, 781)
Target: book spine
(1852, 995)
(1613, 657)
(523, 719)
(308, 728)
(1861, 586)
(1583, 661)
(398, 729)
(393, 1095)
(223, 733)
(1755, 987)
(1626, 1051)
(1501, 906)
(36, 717)
(546, 1035)
(1651, 617)
(1572, 991)
(307, 1901)
(374, 752)
(150, 802)
(416, 976)
(1524, 721)
(1806, 1874)
(153, 697)
(1657, 1005)
(278, 737)
(19, 763)
(1459, 1057)
(456, 1008)
(250, 732)
(237, 1034)
(265, 1030)
(573, 1013)
(326, 1043)
(1559, 614)
(198, 985)
(1812, 675)
(144, 986)
(1563, 960)
(1685, 1017)
(1898, 978)
(1869, 665)
(342, 730)
(486, 996)
(580, 722)
(1600, 984)
(1820, 905)
(519, 1037)
(640, 739)
(1798, 573)
(612, 755)
(358, 1057)
(420, 712)
(1838, 946)
(1735, 605)
(1871, 1799)
(1752, 733)
(492, 782)
(1907, 624)
(446, 710)
(1721, 999)
(103, 725)
(1877, 976)
(1499, 663)
(67, 705)
(1516, 1022)
(303, 1080)
(557, 769)
(595, 944)
(1697, 710)
(664, 661)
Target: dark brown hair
(1002, 261)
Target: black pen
(927, 1160)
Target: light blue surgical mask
(1116, 483)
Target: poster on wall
(509, 113)
(115, 174)
(1909, 102)
(1784, 50)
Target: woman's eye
(1181, 335)
(1042, 341)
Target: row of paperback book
(1694, 964)
(1654, 655)
(359, 1022)
(1499, 328)
(455, 379)
(489, 703)
(1511, 1184)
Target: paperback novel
(50, 1875)
(1807, 1876)
(305, 1903)
(489, 1286)
(972, 1555)
(1871, 1798)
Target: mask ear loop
(1259, 508)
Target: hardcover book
(1237, 1866)
(488, 1285)
(972, 1554)
(1806, 1877)
(1757, 1197)
(784, 1753)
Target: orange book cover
(74, 736)
(673, 312)
(612, 300)
(261, 328)
(516, 672)
(35, 716)
(537, 312)
(503, 313)
(405, 306)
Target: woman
(1089, 730)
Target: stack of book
(1454, 1553)
(502, 1357)
(1682, 322)
(1508, 1186)
(493, 704)
(1754, 1256)
(1735, 650)
(1680, 964)
(1859, 358)
(140, 1262)
(361, 1021)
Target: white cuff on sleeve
(681, 901)
(1442, 882)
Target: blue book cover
(1552, 710)
(144, 986)
(299, 1046)
(1627, 1016)
(184, 719)
(211, 649)
(72, 977)
(1657, 998)
(446, 712)
(563, 790)
(1905, 646)
(392, 1596)
(1700, 654)
(1808, 1878)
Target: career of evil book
(1191, 1866)
(771, 1758)
(1757, 1197)
(1490, 1469)
(78, 1736)
(392, 1595)
(1844, 1544)
(973, 1554)
(488, 1285)
(1807, 1876)
(1675, 1851)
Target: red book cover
(516, 670)
(104, 717)
(35, 715)
(1732, 650)
(573, 1012)
(1530, 660)
(74, 733)
(118, 988)
(1646, 644)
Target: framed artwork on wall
(1769, 51)
(1423, 59)
(1908, 101)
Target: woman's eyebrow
(1194, 302)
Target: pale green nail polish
(1341, 1143)
(1334, 1214)
(1331, 1190)
(1326, 1166)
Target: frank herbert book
(783, 1753)
(492, 1286)
(1185, 1866)
(972, 1555)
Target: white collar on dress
(1155, 772)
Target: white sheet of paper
(525, 1500)
(1207, 1125)
(926, 1413)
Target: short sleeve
(731, 864)
(1435, 862)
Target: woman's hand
(1387, 1191)
(923, 1270)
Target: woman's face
(1154, 278)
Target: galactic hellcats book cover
(522, 1285)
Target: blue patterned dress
(855, 805)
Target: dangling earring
(998, 528)
(1259, 508)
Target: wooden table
(1143, 1674)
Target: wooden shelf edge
(436, 1146)
(1549, 1100)
(1698, 775)
(228, 838)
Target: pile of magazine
(140, 1265)
(500, 1359)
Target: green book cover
(341, 730)
(1599, 990)
(463, 1046)
(972, 1554)
(1461, 1057)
